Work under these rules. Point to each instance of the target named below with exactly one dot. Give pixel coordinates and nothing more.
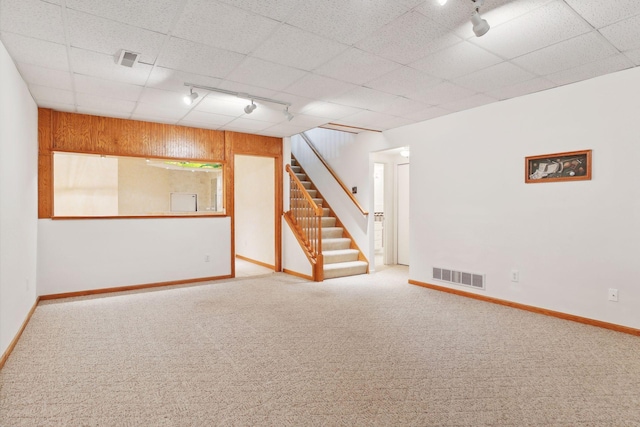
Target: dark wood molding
(7, 353)
(130, 288)
(533, 309)
(296, 274)
(256, 262)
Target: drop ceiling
(374, 64)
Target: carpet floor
(276, 350)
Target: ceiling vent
(127, 59)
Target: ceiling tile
(207, 119)
(430, 113)
(223, 26)
(456, 61)
(103, 113)
(409, 38)
(168, 79)
(308, 120)
(156, 15)
(197, 58)
(541, 27)
(275, 9)
(109, 37)
(320, 87)
(403, 107)
(357, 66)
(298, 103)
(107, 88)
(49, 94)
(530, 86)
(494, 77)
(329, 110)
(284, 129)
(244, 88)
(102, 103)
(32, 18)
(366, 98)
(297, 48)
(468, 103)
(256, 72)
(32, 51)
(594, 69)
(230, 106)
(442, 93)
(154, 119)
(403, 81)
(173, 114)
(41, 76)
(370, 120)
(625, 35)
(633, 55)
(68, 108)
(104, 66)
(567, 54)
(601, 13)
(347, 22)
(243, 125)
(165, 98)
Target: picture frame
(568, 166)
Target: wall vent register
(472, 280)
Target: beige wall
(142, 190)
(85, 185)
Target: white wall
(571, 241)
(78, 255)
(254, 209)
(293, 257)
(18, 200)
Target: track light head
(442, 2)
(188, 99)
(287, 114)
(249, 108)
(480, 26)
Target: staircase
(341, 255)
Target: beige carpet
(276, 350)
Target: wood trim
(296, 233)
(332, 172)
(300, 275)
(207, 215)
(45, 164)
(306, 195)
(279, 209)
(351, 127)
(229, 195)
(256, 262)
(130, 288)
(546, 312)
(7, 353)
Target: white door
(402, 219)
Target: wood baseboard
(13, 343)
(253, 261)
(546, 312)
(300, 275)
(131, 288)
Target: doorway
(402, 223)
(254, 200)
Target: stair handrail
(306, 216)
(332, 172)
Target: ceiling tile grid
(375, 64)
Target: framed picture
(571, 166)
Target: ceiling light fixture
(405, 152)
(249, 108)
(287, 114)
(442, 2)
(188, 99)
(480, 26)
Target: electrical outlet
(613, 294)
(207, 258)
(515, 276)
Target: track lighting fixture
(249, 108)
(480, 26)
(287, 114)
(188, 99)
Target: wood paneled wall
(81, 133)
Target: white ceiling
(375, 64)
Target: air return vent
(127, 59)
(472, 280)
